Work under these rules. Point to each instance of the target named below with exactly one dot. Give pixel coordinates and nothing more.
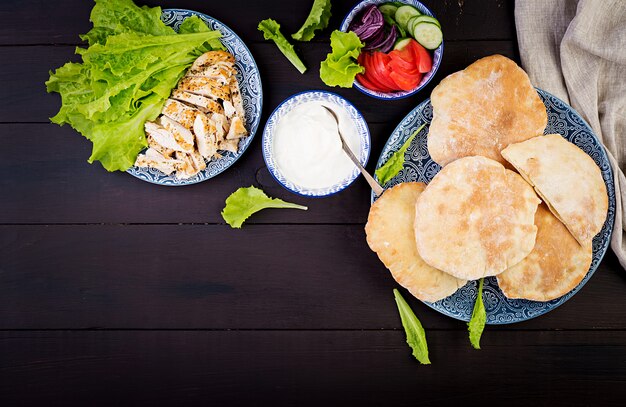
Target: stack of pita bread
(482, 214)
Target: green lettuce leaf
(415, 334)
(317, 20)
(194, 24)
(271, 31)
(129, 69)
(340, 66)
(476, 325)
(242, 203)
(395, 163)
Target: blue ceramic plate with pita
(420, 167)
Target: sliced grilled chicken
(237, 100)
(237, 129)
(206, 136)
(166, 139)
(229, 145)
(212, 58)
(153, 159)
(222, 72)
(204, 104)
(183, 136)
(221, 125)
(205, 87)
(229, 109)
(180, 112)
(165, 152)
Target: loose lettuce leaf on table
(340, 66)
(317, 20)
(476, 325)
(244, 202)
(271, 31)
(415, 334)
(395, 163)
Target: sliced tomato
(422, 56)
(381, 70)
(398, 62)
(405, 82)
(367, 61)
(369, 84)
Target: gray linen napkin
(576, 50)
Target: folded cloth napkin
(576, 50)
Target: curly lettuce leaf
(194, 24)
(271, 31)
(415, 334)
(340, 66)
(244, 202)
(317, 20)
(476, 325)
(127, 72)
(395, 163)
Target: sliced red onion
(390, 41)
(369, 24)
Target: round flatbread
(475, 219)
(567, 179)
(390, 234)
(553, 268)
(482, 109)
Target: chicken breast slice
(237, 129)
(204, 104)
(165, 152)
(202, 86)
(221, 125)
(229, 145)
(229, 109)
(237, 100)
(153, 159)
(211, 58)
(183, 135)
(180, 112)
(162, 136)
(221, 72)
(206, 136)
(191, 164)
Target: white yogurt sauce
(307, 147)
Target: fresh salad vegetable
(244, 202)
(340, 66)
(476, 325)
(415, 334)
(395, 163)
(271, 31)
(393, 61)
(317, 20)
(132, 63)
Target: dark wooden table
(117, 292)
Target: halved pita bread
(475, 219)
(567, 179)
(555, 266)
(390, 234)
(482, 109)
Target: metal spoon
(378, 190)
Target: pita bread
(555, 266)
(482, 109)
(567, 179)
(390, 234)
(475, 219)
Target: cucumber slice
(428, 34)
(423, 18)
(404, 13)
(401, 43)
(388, 9)
(411, 24)
(392, 22)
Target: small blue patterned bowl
(334, 101)
(437, 54)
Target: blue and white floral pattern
(331, 99)
(251, 90)
(418, 166)
(437, 54)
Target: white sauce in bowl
(307, 147)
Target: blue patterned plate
(337, 103)
(251, 91)
(418, 166)
(437, 53)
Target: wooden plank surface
(310, 368)
(204, 276)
